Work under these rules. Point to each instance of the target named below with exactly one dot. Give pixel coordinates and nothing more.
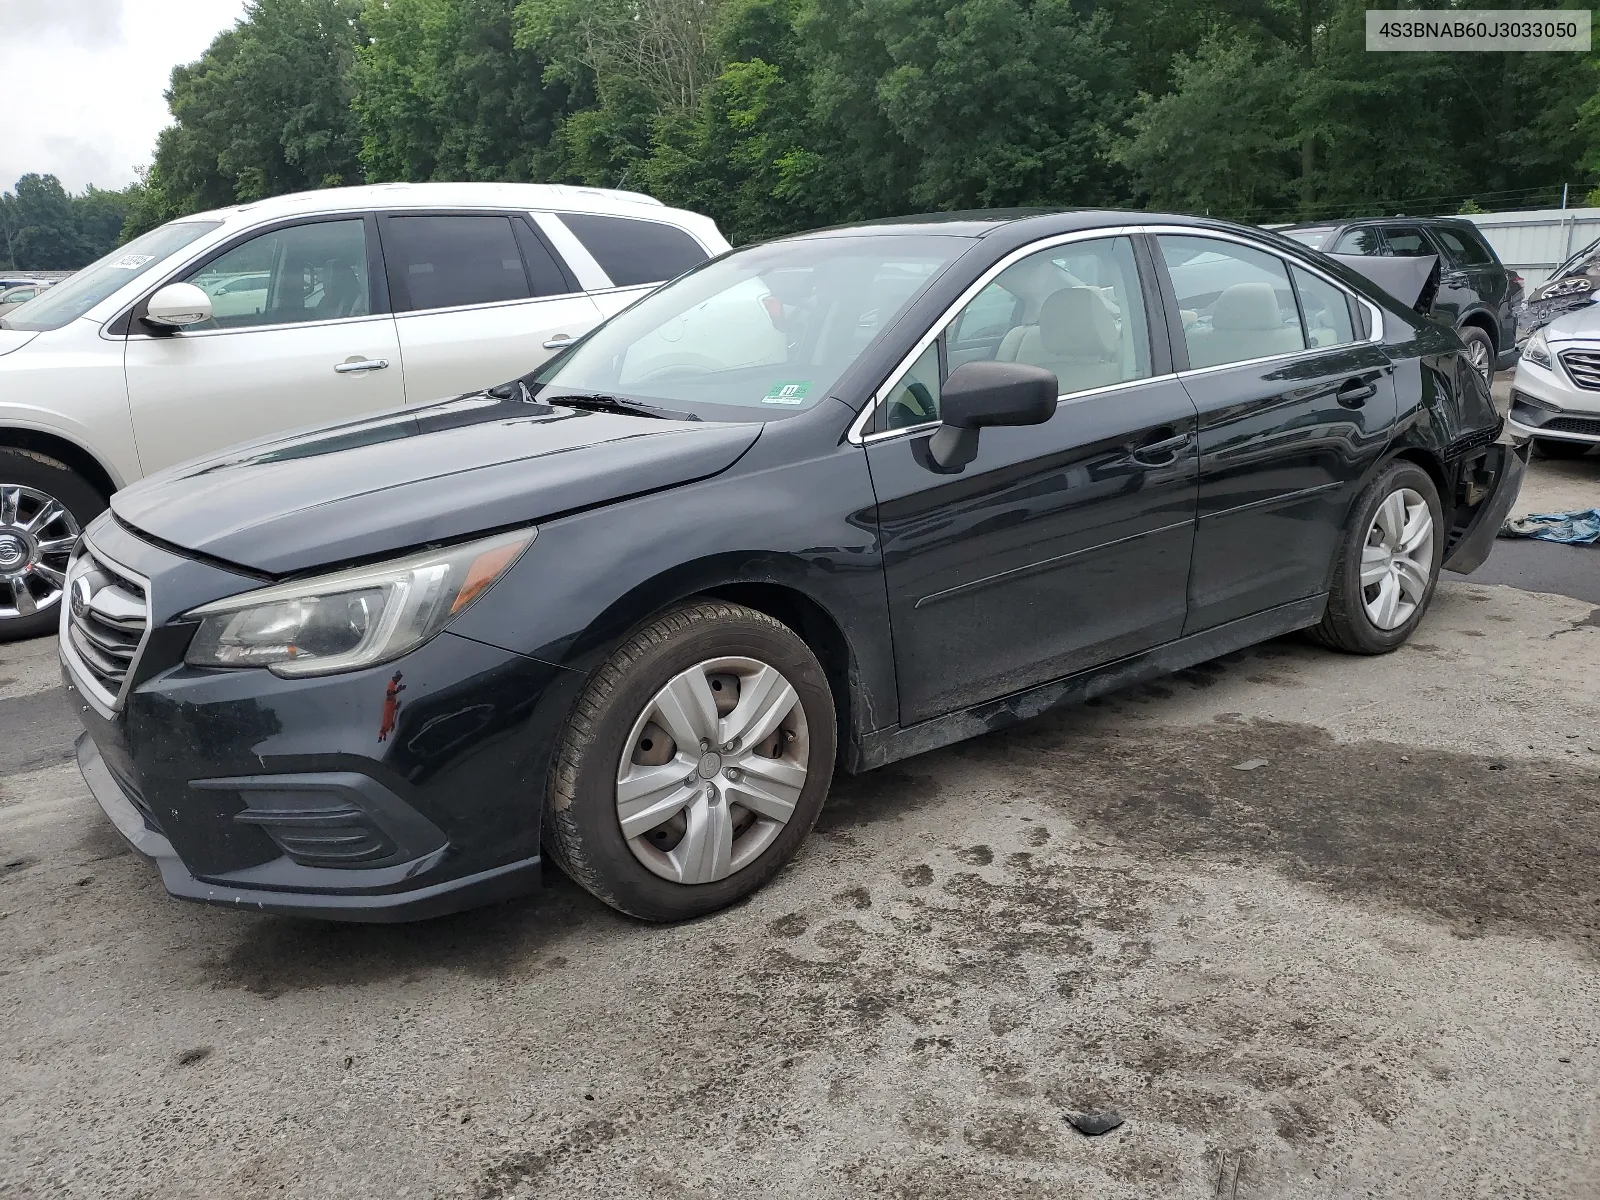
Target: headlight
(354, 618)
(1537, 350)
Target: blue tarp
(1581, 528)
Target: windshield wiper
(597, 402)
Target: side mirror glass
(988, 393)
(178, 305)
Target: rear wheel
(44, 506)
(695, 763)
(1388, 564)
(1480, 351)
(1552, 448)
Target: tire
(1479, 343)
(621, 710)
(32, 558)
(1553, 448)
(1349, 623)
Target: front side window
(1326, 308)
(1407, 241)
(453, 261)
(1076, 310)
(633, 252)
(71, 298)
(758, 334)
(315, 272)
(1359, 241)
(1236, 301)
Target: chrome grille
(104, 622)
(1584, 367)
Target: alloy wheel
(37, 536)
(712, 770)
(1478, 356)
(1397, 559)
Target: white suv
(295, 311)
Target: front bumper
(1545, 403)
(432, 900)
(393, 793)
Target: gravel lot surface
(1317, 926)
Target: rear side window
(1235, 301)
(634, 252)
(449, 261)
(1407, 241)
(1463, 247)
(1359, 241)
(1326, 310)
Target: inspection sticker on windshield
(132, 262)
(787, 393)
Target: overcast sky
(82, 82)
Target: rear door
(301, 335)
(1294, 408)
(1471, 274)
(1062, 545)
(479, 298)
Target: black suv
(1471, 289)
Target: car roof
(559, 196)
(1040, 222)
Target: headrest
(1247, 306)
(1075, 323)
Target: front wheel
(695, 763)
(1388, 563)
(44, 506)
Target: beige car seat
(1076, 338)
(1246, 323)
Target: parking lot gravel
(1314, 925)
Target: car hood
(15, 339)
(407, 478)
(1582, 324)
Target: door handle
(354, 365)
(1356, 393)
(1166, 450)
(558, 341)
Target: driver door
(1062, 545)
(299, 336)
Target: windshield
(757, 334)
(77, 294)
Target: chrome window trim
(872, 439)
(857, 434)
(190, 334)
(103, 701)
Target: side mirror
(177, 305)
(988, 393)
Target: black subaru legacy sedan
(818, 505)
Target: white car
(295, 311)
(1555, 395)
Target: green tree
(44, 228)
(443, 91)
(265, 110)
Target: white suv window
(314, 272)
